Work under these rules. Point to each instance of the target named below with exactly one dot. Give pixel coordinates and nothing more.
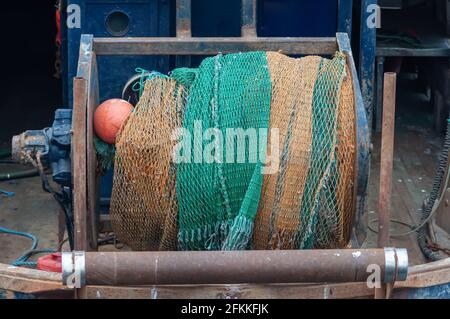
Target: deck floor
(415, 160)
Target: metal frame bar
(232, 267)
(367, 57)
(387, 159)
(362, 140)
(210, 46)
(184, 44)
(91, 47)
(422, 281)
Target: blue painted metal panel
(210, 18)
(345, 13)
(367, 55)
(289, 18)
(434, 292)
(146, 18)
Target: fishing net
(249, 151)
(143, 202)
(218, 195)
(307, 202)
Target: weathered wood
(427, 275)
(274, 291)
(27, 280)
(407, 196)
(27, 273)
(210, 46)
(413, 166)
(79, 163)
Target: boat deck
(415, 161)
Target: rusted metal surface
(248, 18)
(87, 70)
(210, 46)
(41, 283)
(362, 145)
(93, 179)
(230, 267)
(387, 156)
(79, 163)
(27, 144)
(386, 166)
(183, 19)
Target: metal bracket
(73, 269)
(396, 264)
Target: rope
(23, 259)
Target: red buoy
(109, 118)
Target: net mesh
(218, 200)
(307, 203)
(199, 192)
(143, 203)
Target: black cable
(429, 206)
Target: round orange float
(109, 118)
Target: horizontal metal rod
(234, 267)
(211, 46)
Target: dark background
(29, 91)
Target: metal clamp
(396, 264)
(73, 269)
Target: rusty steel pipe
(234, 267)
(387, 159)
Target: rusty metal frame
(86, 97)
(41, 284)
(234, 267)
(91, 47)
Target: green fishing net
(188, 171)
(218, 201)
